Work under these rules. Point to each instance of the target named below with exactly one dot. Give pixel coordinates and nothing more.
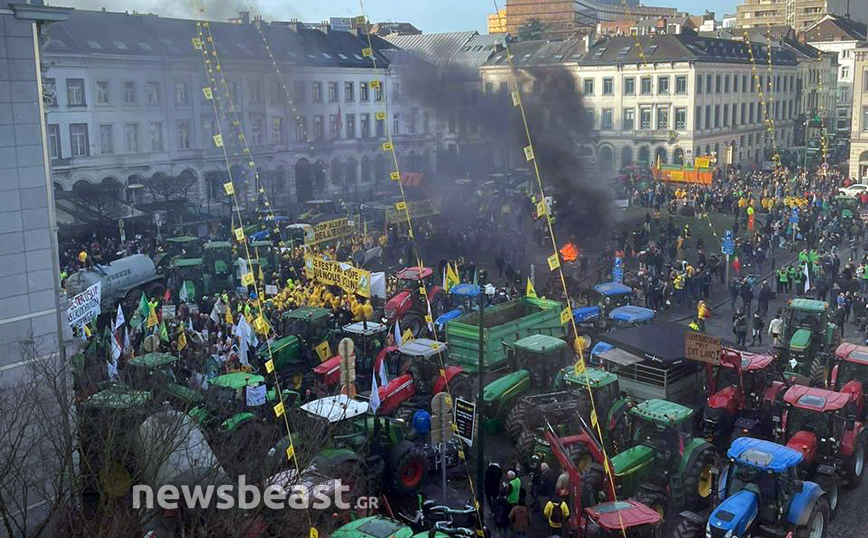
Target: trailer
(503, 324)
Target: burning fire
(569, 252)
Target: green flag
(141, 313)
(164, 334)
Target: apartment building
(130, 105)
(859, 133)
(691, 96)
(797, 14)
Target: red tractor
(744, 397)
(822, 425)
(850, 374)
(408, 305)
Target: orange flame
(569, 252)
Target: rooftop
(465, 49)
(836, 28)
(764, 455)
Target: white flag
(244, 332)
(375, 394)
(397, 333)
(215, 312)
(807, 278)
(119, 320)
(127, 340)
(116, 349)
(189, 324)
(384, 379)
(183, 293)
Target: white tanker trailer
(122, 280)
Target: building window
(629, 86)
(181, 93)
(744, 83)
(681, 85)
(708, 88)
(381, 128)
(396, 91)
(256, 131)
(334, 127)
(276, 130)
(411, 129)
(54, 141)
(489, 87)
(156, 132)
(716, 116)
(681, 118)
(106, 140)
(717, 80)
(78, 142)
(662, 85)
(333, 92)
(365, 124)
(742, 115)
(298, 92)
(662, 117)
(129, 92)
(349, 92)
(645, 88)
(301, 129)
(152, 90)
(726, 115)
(131, 137)
(184, 135)
(629, 119)
(735, 84)
(865, 118)
(364, 96)
(102, 92)
(751, 114)
(396, 124)
(588, 86)
(708, 116)
(256, 92)
(378, 92)
(645, 117)
(608, 86)
(316, 93)
(75, 92)
(726, 84)
(351, 125)
(699, 84)
(606, 119)
(697, 119)
(318, 127)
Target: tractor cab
(312, 325)
(462, 299)
(228, 405)
(603, 385)
(809, 337)
(617, 519)
(189, 273)
(423, 358)
(540, 356)
(815, 420)
(217, 256)
(846, 207)
(610, 295)
(626, 316)
(408, 305)
(154, 372)
(760, 489)
(850, 374)
(186, 246)
(266, 254)
(369, 338)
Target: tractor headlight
(728, 534)
(708, 530)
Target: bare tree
(100, 198)
(169, 188)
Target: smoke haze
(218, 10)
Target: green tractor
(562, 409)
(666, 466)
(217, 266)
(155, 372)
(535, 363)
(846, 207)
(181, 247)
(368, 452)
(189, 272)
(810, 339)
(267, 255)
(294, 355)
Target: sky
(427, 15)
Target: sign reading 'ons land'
(702, 347)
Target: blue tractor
(761, 495)
(611, 308)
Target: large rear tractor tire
(406, 467)
(854, 466)
(699, 480)
(414, 323)
(514, 422)
(687, 528)
(832, 486)
(462, 387)
(526, 443)
(818, 521)
(817, 375)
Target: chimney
(586, 41)
(244, 17)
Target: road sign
(794, 215)
(618, 270)
(825, 166)
(728, 246)
(702, 347)
(465, 418)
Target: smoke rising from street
(218, 11)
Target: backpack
(557, 514)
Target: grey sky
(427, 15)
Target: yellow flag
(261, 275)
(182, 341)
(529, 289)
(152, 317)
(260, 325)
(229, 319)
(451, 277)
(407, 336)
(323, 351)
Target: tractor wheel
(462, 387)
(438, 304)
(414, 323)
(618, 431)
(654, 501)
(687, 528)
(854, 466)
(817, 375)
(526, 443)
(832, 486)
(406, 467)
(817, 521)
(699, 480)
(514, 422)
(587, 341)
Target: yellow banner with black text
(339, 274)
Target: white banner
(84, 306)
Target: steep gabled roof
(467, 49)
(835, 28)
